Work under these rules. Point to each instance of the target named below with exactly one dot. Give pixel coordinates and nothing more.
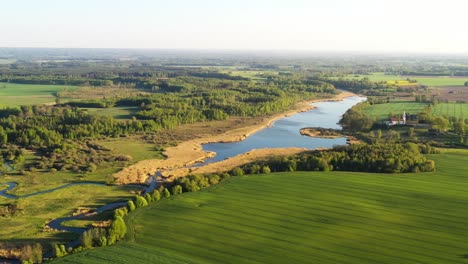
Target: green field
(451, 110)
(27, 94)
(306, 217)
(137, 149)
(381, 111)
(119, 113)
(429, 81)
(36, 211)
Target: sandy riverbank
(190, 152)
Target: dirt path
(190, 152)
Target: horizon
(355, 26)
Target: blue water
(284, 132)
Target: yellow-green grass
(44, 180)
(137, 149)
(456, 110)
(87, 222)
(380, 112)
(306, 217)
(120, 113)
(426, 80)
(13, 95)
(28, 224)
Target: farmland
(27, 94)
(321, 217)
(402, 79)
(451, 110)
(381, 111)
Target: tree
(177, 189)
(237, 171)
(440, 123)
(466, 83)
(140, 201)
(118, 229)
(266, 169)
(156, 195)
(131, 206)
(148, 197)
(459, 127)
(166, 193)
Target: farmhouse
(396, 120)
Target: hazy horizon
(294, 26)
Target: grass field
(381, 111)
(306, 217)
(451, 110)
(119, 113)
(429, 81)
(137, 149)
(37, 210)
(28, 94)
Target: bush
(140, 201)
(237, 171)
(156, 195)
(148, 197)
(166, 193)
(117, 230)
(176, 189)
(131, 206)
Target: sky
(296, 25)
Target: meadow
(380, 112)
(137, 149)
(118, 113)
(35, 211)
(305, 217)
(13, 95)
(401, 79)
(451, 110)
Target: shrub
(156, 195)
(176, 189)
(148, 197)
(166, 193)
(118, 229)
(237, 171)
(140, 201)
(131, 206)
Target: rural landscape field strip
(331, 217)
(456, 110)
(381, 111)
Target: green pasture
(426, 80)
(12, 95)
(451, 110)
(36, 211)
(381, 111)
(306, 217)
(119, 113)
(137, 149)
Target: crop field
(401, 79)
(451, 110)
(13, 95)
(381, 111)
(305, 217)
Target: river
(284, 133)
